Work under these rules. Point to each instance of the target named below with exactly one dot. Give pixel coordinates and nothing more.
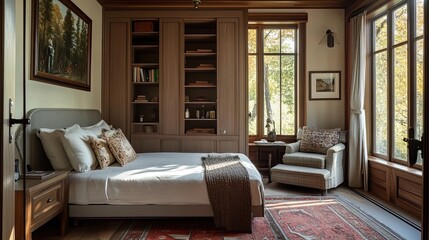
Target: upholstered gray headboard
(52, 118)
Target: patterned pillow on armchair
(316, 140)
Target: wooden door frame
(425, 210)
(1, 108)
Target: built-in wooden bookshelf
(201, 61)
(145, 76)
(200, 76)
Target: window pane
(271, 40)
(381, 107)
(419, 93)
(400, 104)
(400, 24)
(419, 18)
(252, 40)
(271, 89)
(253, 96)
(287, 125)
(288, 40)
(380, 32)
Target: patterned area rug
(309, 217)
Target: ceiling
(227, 3)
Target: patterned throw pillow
(318, 140)
(102, 152)
(120, 146)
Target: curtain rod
(357, 12)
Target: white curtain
(358, 158)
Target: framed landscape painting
(61, 44)
(325, 85)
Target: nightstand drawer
(47, 202)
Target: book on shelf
(141, 74)
(39, 174)
(205, 65)
(200, 51)
(201, 131)
(204, 50)
(202, 83)
(140, 99)
(143, 26)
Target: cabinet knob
(49, 200)
(224, 131)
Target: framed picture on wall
(325, 85)
(61, 44)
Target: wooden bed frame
(60, 118)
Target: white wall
(48, 95)
(323, 113)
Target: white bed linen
(153, 178)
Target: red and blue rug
(294, 217)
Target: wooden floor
(91, 229)
(101, 229)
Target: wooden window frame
(297, 21)
(411, 71)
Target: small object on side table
(271, 134)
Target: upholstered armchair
(315, 160)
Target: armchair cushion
(318, 140)
(312, 160)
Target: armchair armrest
(336, 148)
(292, 147)
(334, 158)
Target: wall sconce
(196, 3)
(330, 41)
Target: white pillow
(78, 149)
(97, 128)
(54, 150)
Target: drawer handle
(49, 200)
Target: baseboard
(381, 205)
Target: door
(7, 76)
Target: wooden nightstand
(265, 156)
(45, 199)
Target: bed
(154, 185)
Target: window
(397, 63)
(272, 74)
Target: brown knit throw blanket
(228, 187)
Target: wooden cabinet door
(116, 73)
(170, 72)
(227, 64)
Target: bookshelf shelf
(200, 76)
(197, 54)
(200, 86)
(145, 34)
(145, 75)
(150, 103)
(200, 119)
(200, 103)
(200, 69)
(145, 46)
